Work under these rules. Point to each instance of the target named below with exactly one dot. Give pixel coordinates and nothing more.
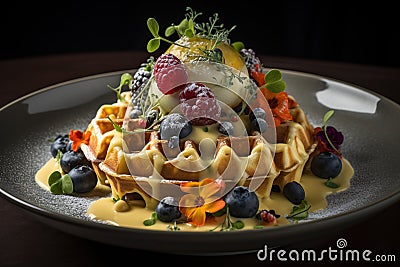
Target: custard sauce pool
(103, 209)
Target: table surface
(25, 241)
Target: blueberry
(135, 113)
(326, 165)
(69, 145)
(83, 178)
(60, 143)
(257, 113)
(167, 209)
(259, 125)
(175, 125)
(225, 127)
(173, 142)
(242, 202)
(71, 159)
(294, 192)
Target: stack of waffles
(140, 165)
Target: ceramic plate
(367, 120)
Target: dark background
(365, 33)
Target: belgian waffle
(143, 166)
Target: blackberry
(141, 76)
(139, 88)
(251, 60)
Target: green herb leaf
(152, 220)
(272, 76)
(189, 33)
(54, 177)
(329, 183)
(153, 45)
(56, 188)
(152, 24)
(328, 115)
(67, 185)
(238, 224)
(59, 155)
(238, 45)
(170, 30)
(273, 81)
(299, 212)
(183, 26)
(191, 26)
(149, 222)
(276, 87)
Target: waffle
(142, 166)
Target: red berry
(199, 105)
(169, 74)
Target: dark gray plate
(369, 123)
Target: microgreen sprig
(126, 79)
(189, 28)
(327, 116)
(273, 81)
(60, 184)
(154, 43)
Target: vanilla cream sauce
(104, 208)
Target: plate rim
(359, 212)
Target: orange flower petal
(214, 206)
(198, 217)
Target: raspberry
(199, 105)
(169, 74)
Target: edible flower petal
(279, 103)
(200, 200)
(78, 137)
(334, 136)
